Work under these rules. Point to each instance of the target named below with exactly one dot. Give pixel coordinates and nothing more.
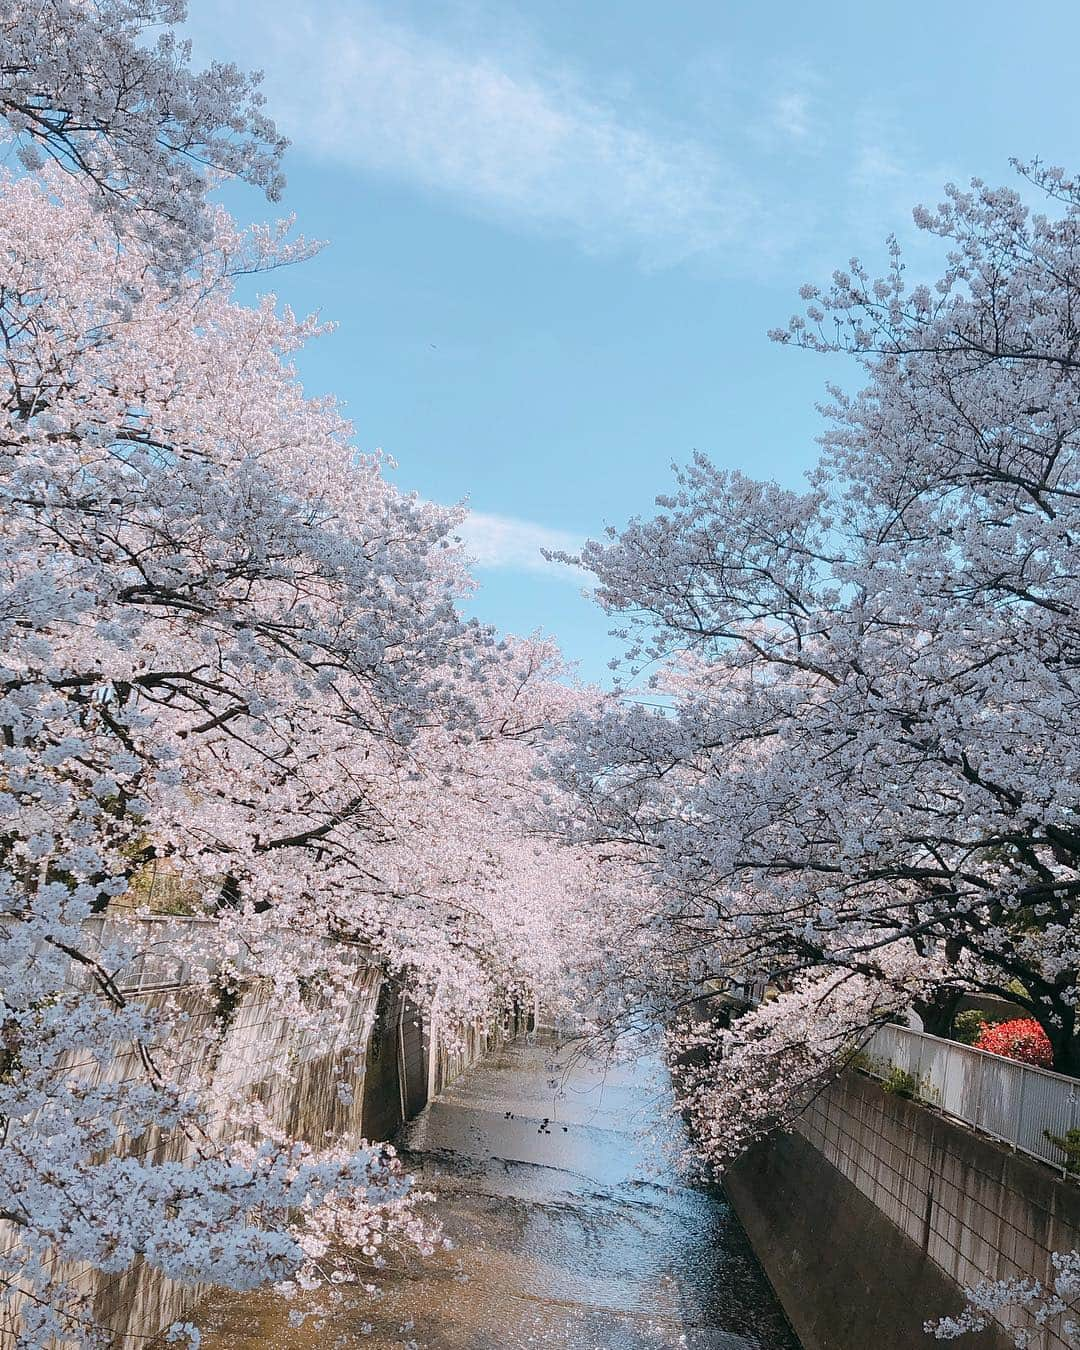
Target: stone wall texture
(294, 1075)
(875, 1213)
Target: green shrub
(967, 1025)
(900, 1083)
(1069, 1143)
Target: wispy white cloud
(757, 168)
(512, 135)
(791, 114)
(795, 116)
(508, 543)
(888, 175)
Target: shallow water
(577, 1235)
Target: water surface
(576, 1234)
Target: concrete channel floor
(576, 1238)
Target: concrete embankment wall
(875, 1213)
(253, 1048)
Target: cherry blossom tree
(464, 893)
(232, 652)
(105, 89)
(233, 649)
(199, 587)
(866, 750)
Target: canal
(573, 1234)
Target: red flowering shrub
(1021, 1039)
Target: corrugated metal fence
(1016, 1103)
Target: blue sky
(559, 231)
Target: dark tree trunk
(937, 1011)
(1061, 1029)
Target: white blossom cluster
(998, 1300)
(105, 89)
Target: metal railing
(1016, 1103)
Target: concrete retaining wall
(384, 1053)
(876, 1212)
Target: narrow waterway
(574, 1234)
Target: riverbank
(572, 1234)
(874, 1213)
